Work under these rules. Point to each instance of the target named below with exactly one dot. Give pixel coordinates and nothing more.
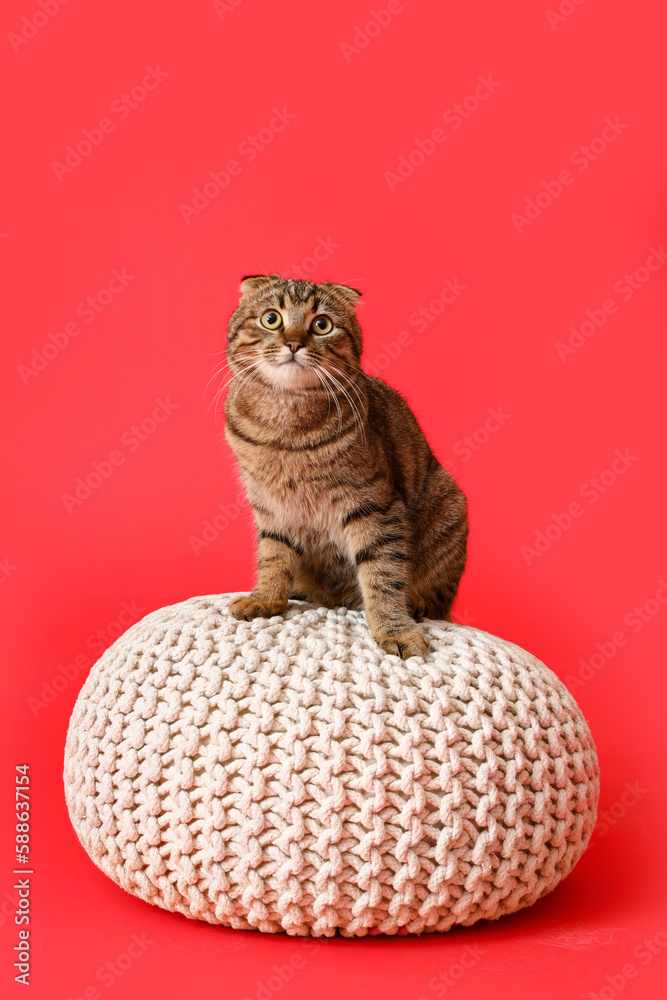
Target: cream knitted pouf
(286, 774)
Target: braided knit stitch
(286, 774)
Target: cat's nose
(293, 345)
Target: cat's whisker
(330, 377)
(227, 383)
(217, 371)
(326, 388)
(332, 395)
(354, 368)
(244, 372)
(233, 376)
(243, 355)
(353, 405)
(254, 368)
(362, 399)
(243, 384)
(323, 374)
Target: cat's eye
(271, 320)
(321, 325)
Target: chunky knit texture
(286, 774)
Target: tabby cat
(351, 506)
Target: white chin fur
(292, 375)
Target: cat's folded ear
(352, 295)
(255, 282)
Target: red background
(67, 572)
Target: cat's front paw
(247, 608)
(405, 643)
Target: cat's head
(294, 334)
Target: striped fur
(351, 506)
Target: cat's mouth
(291, 372)
(291, 360)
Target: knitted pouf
(287, 774)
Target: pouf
(288, 775)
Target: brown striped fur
(351, 506)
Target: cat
(351, 506)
